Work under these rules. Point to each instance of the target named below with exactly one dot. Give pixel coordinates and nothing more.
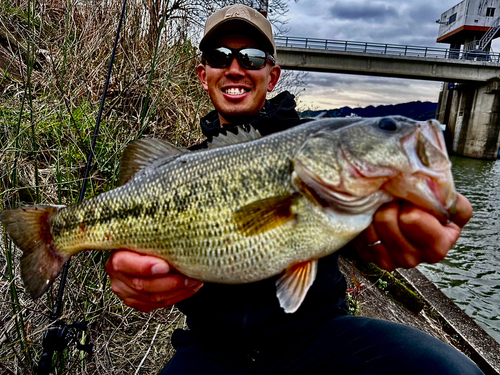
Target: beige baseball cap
(238, 19)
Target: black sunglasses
(249, 58)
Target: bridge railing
(386, 49)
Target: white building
(472, 24)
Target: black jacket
(245, 318)
(278, 114)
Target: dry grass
(54, 56)
(126, 341)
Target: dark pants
(342, 345)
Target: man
(240, 329)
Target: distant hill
(415, 110)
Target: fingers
(410, 236)
(394, 250)
(135, 264)
(464, 211)
(147, 283)
(147, 302)
(426, 234)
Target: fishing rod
(60, 335)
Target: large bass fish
(245, 211)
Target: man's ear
(202, 73)
(274, 76)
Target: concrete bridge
(470, 100)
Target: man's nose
(235, 68)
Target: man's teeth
(235, 91)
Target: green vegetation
(54, 56)
(389, 284)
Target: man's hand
(147, 283)
(410, 236)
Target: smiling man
(237, 91)
(238, 86)
(241, 329)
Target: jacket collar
(277, 109)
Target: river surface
(470, 274)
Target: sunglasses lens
(219, 58)
(251, 58)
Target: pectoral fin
(265, 214)
(292, 287)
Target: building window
(453, 18)
(490, 12)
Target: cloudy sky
(405, 22)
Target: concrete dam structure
(472, 109)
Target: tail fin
(41, 262)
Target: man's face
(235, 91)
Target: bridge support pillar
(471, 113)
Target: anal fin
(292, 287)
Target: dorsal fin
(143, 153)
(231, 139)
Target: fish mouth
(424, 179)
(429, 184)
(436, 196)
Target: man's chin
(237, 118)
(238, 115)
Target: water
(470, 274)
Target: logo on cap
(240, 13)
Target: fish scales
(244, 212)
(142, 223)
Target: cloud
(383, 21)
(403, 22)
(366, 11)
(328, 91)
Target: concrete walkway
(425, 308)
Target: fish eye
(388, 124)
